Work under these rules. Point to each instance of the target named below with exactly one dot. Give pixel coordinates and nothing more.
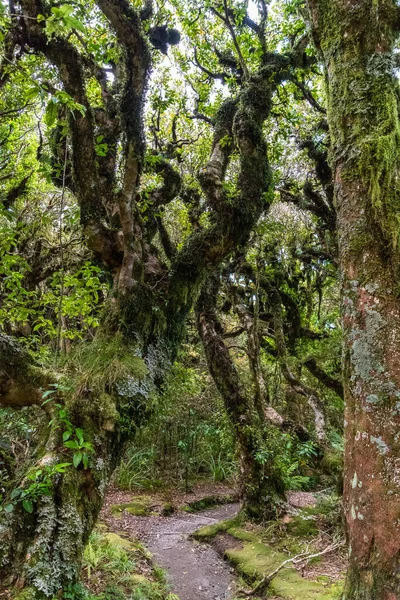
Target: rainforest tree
(268, 304)
(357, 44)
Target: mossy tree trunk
(356, 40)
(43, 537)
(262, 490)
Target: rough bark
(356, 40)
(21, 382)
(41, 549)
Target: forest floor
(211, 554)
(195, 571)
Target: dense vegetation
(187, 191)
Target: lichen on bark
(356, 41)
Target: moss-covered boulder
(139, 506)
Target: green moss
(363, 104)
(25, 594)
(263, 550)
(207, 502)
(117, 568)
(255, 560)
(290, 585)
(102, 363)
(139, 506)
(116, 540)
(168, 509)
(302, 526)
(332, 462)
(210, 531)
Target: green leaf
(88, 446)
(79, 435)
(15, 493)
(61, 467)
(74, 23)
(72, 444)
(85, 460)
(66, 435)
(77, 459)
(27, 504)
(9, 508)
(50, 116)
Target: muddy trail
(195, 571)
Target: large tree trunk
(41, 543)
(356, 40)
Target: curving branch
(235, 42)
(298, 386)
(212, 175)
(88, 188)
(307, 94)
(232, 217)
(330, 382)
(222, 76)
(128, 27)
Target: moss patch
(117, 568)
(302, 526)
(208, 502)
(168, 509)
(260, 553)
(116, 540)
(207, 533)
(139, 506)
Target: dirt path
(196, 572)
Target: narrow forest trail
(196, 571)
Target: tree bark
(356, 40)
(41, 549)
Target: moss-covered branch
(21, 382)
(262, 489)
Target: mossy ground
(116, 568)
(208, 502)
(257, 552)
(139, 506)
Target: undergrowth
(118, 569)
